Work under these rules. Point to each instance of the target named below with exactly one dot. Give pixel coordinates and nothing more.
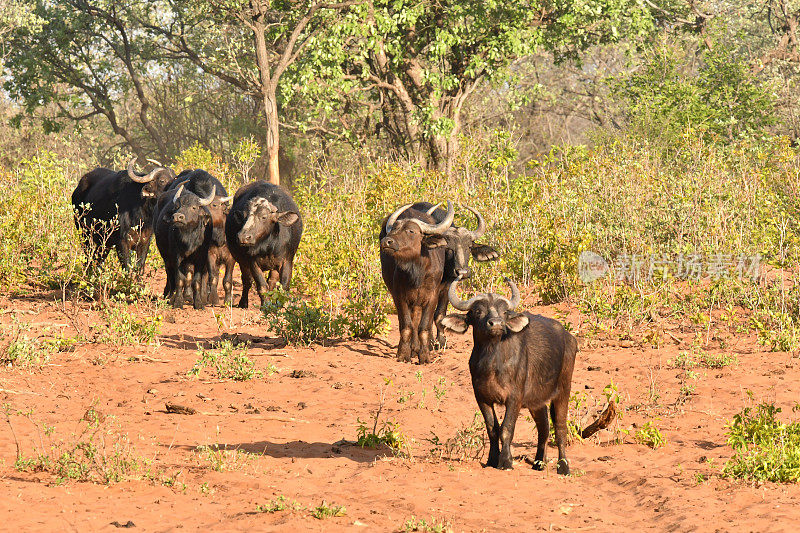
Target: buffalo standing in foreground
(461, 243)
(183, 234)
(412, 265)
(202, 184)
(518, 360)
(263, 230)
(115, 209)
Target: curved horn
(441, 227)
(210, 198)
(393, 217)
(478, 233)
(177, 194)
(224, 199)
(433, 209)
(458, 303)
(513, 303)
(156, 163)
(140, 179)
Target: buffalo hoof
(243, 304)
(424, 358)
(563, 467)
(538, 465)
(505, 465)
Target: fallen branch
(603, 421)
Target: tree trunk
(268, 90)
(444, 148)
(273, 139)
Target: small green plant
(468, 443)
(388, 434)
(765, 448)
(221, 459)
(297, 321)
(23, 351)
(364, 312)
(121, 327)
(650, 436)
(699, 357)
(426, 526)
(281, 503)
(229, 361)
(325, 510)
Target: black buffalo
(202, 184)
(114, 210)
(461, 244)
(183, 234)
(412, 266)
(519, 360)
(263, 230)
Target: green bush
(765, 448)
(228, 361)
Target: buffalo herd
(518, 360)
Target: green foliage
(650, 436)
(722, 99)
(23, 351)
(468, 443)
(389, 434)
(281, 503)
(326, 510)
(699, 357)
(97, 453)
(121, 327)
(228, 361)
(298, 321)
(221, 459)
(765, 448)
(426, 526)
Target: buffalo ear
(455, 323)
(516, 322)
(434, 241)
(287, 218)
(482, 252)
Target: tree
(423, 60)
(84, 58)
(213, 35)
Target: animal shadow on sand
(301, 450)
(189, 342)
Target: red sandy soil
(292, 428)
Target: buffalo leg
(181, 282)
(272, 280)
(507, 433)
(142, 249)
(199, 286)
(124, 254)
(247, 281)
(543, 429)
(260, 282)
(406, 331)
(493, 429)
(286, 273)
(438, 315)
(558, 410)
(227, 282)
(213, 278)
(424, 331)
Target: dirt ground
(297, 425)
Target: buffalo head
(490, 315)
(154, 182)
(405, 238)
(190, 209)
(262, 217)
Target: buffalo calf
(519, 360)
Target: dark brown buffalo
(115, 209)
(412, 265)
(518, 360)
(263, 230)
(461, 244)
(183, 234)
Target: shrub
(121, 327)
(325, 510)
(298, 321)
(650, 436)
(228, 361)
(765, 448)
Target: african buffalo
(115, 209)
(461, 243)
(183, 234)
(263, 230)
(518, 360)
(412, 264)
